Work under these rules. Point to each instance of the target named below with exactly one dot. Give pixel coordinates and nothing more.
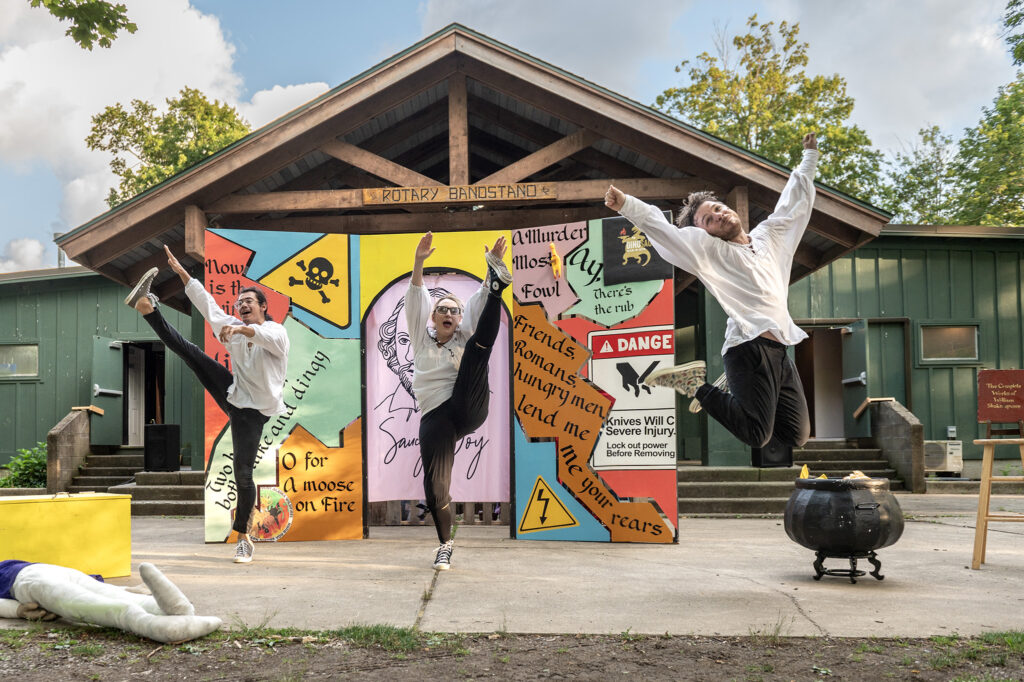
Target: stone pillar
(67, 445)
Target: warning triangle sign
(544, 511)
(606, 348)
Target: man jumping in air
(760, 395)
(250, 393)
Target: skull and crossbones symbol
(318, 276)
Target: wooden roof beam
(458, 131)
(376, 165)
(437, 221)
(542, 158)
(195, 233)
(347, 199)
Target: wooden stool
(985, 494)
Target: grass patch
(386, 637)
(774, 634)
(87, 650)
(1012, 640)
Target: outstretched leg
(437, 449)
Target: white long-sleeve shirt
(749, 281)
(259, 364)
(436, 367)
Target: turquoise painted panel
(538, 459)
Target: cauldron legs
(852, 573)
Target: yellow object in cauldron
(804, 473)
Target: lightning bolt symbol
(544, 511)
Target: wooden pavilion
(457, 132)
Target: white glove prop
(171, 600)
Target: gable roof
(457, 108)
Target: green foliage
(989, 167)
(161, 145)
(28, 468)
(766, 102)
(92, 21)
(1013, 21)
(919, 187)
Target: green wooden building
(67, 339)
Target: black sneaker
(498, 275)
(141, 289)
(443, 558)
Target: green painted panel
(107, 379)
(1008, 309)
(941, 412)
(886, 371)
(938, 282)
(855, 381)
(866, 278)
(961, 273)
(890, 293)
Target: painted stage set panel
(570, 360)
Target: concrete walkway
(727, 576)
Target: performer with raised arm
(450, 375)
(760, 395)
(250, 393)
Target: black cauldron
(844, 518)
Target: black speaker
(774, 454)
(162, 447)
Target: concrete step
(169, 493)
(733, 506)
(807, 455)
(183, 477)
(949, 486)
(832, 444)
(695, 474)
(87, 489)
(122, 472)
(730, 489)
(118, 460)
(843, 468)
(99, 481)
(165, 508)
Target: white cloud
(267, 105)
(22, 254)
(907, 64)
(604, 42)
(50, 88)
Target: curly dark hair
(690, 206)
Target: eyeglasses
(243, 301)
(445, 310)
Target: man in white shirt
(250, 393)
(760, 395)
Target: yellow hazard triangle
(544, 511)
(317, 279)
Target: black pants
(246, 422)
(765, 397)
(457, 417)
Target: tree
(989, 166)
(1014, 19)
(92, 21)
(162, 145)
(767, 102)
(920, 186)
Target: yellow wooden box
(88, 531)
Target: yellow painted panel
(385, 258)
(89, 532)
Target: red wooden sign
(1000, 395)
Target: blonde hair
(453, 297)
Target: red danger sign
(625, 344)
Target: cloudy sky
(907, 64)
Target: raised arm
(679, 246)
(422, 253)
(788, 221)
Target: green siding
(62, 315)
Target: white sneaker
(720, 383)
(443, 558)
(244, 550)
(141, 289)
(684, 378)
(498, 274)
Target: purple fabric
(9, 570)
